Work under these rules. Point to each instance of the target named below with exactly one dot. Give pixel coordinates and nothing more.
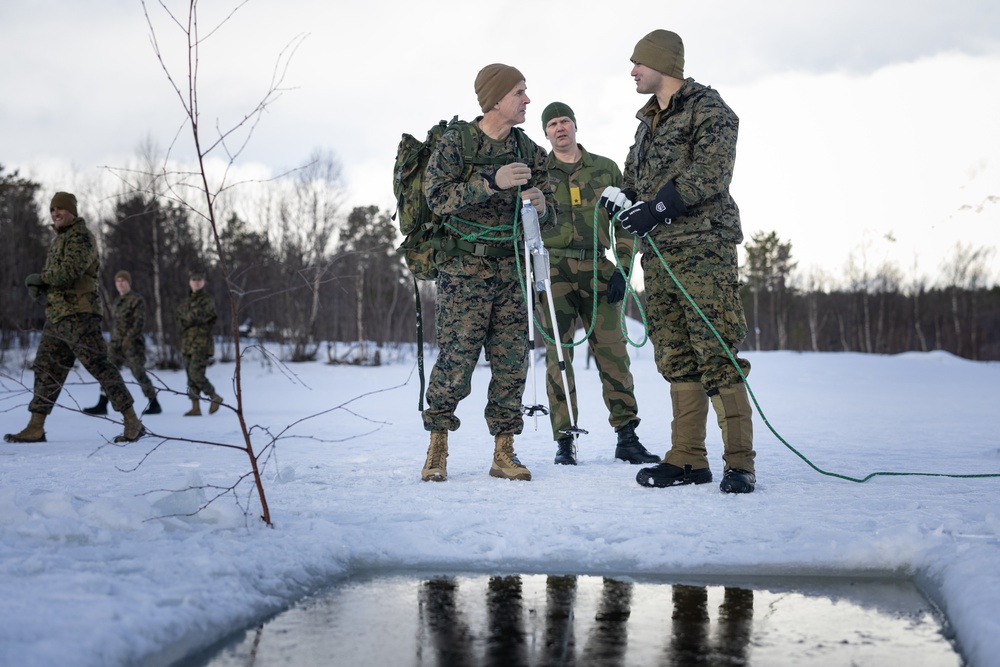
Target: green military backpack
(419, 225)
(417, 222)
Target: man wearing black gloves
(676, 193)
(577, 251)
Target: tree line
(328, 285)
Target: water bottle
(529, 220)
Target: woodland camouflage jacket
(130, 321)
(693, 143)
(196, 315)
(70, 272)
(577, 188)
(470, 211)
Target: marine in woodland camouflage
(72, 328)
(480, 299)
(693, 143)
(571, 248)
(128, 341)
(471, 212)
(70, 272)
(196, 316)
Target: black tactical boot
(667, 474)
(738, 481)
(100, 409)
(629, 448)
(153, 408)
(566, 451)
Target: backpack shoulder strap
(524, 144)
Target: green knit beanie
(556, 110)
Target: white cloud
(856, 119)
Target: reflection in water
(570, 621)
(690, 642)
(450, 636)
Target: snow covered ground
(106, 559)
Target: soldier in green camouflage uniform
(72, 324)
(128, 343)
(677, 178)
(196, 315)
(480, 302)
(578, 177)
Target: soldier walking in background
(677, 178)
(196, 315)
(128, 343)
(480, 302)
(578, 177)
(72, 328)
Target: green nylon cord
(732, 358)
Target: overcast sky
(860, 121)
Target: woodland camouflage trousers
(685, 348)
(481, 309)
(72, 338)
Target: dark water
(508, 621)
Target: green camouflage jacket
(196, 315)
(470, 210)
(693, 143)
(130, 322)
(70, 272)
(577, 188)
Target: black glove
(36, 287)
(616, 285)
(644, 216)
(615, 199)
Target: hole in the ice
(475, 619)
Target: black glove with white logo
(643, 217)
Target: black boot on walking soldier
(153, 408)
(629, 448)
(101, 408)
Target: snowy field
(106, 559)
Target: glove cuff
(668, 203)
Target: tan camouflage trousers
(573, 294)
(483, 309)
(135, 359)
(77, 337)
(684, 347)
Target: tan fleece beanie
(663, 51)
(493, 82)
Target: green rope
(732, 358)
(629, 292)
